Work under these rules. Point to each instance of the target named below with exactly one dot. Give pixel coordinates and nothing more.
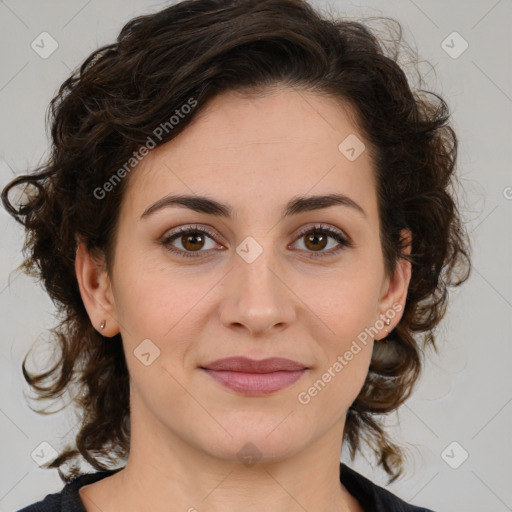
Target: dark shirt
(372, 497)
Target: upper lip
(247, 365)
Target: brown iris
(193, 241)
(315, 237)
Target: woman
(246, 222)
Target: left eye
(193, 240)
(319, 235)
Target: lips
(246, 365)
(255, 377)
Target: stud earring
(388, 321)
(102, 325)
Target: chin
(252, 444)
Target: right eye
(192, 239)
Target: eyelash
(344, 243)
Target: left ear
(394, 290)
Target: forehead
(258, 150)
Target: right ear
(96, 290)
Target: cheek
(349, 313)
(336, 383)
(349, 305)
(151, 299)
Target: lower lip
(255, 384)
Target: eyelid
(328, 229)
(344, 241)
(174, 233)
(192, 228)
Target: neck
(165, 473)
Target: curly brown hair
(107, 109)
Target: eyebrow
(209, 206)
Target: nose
(257, 297)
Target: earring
(102, 325)
(388, 321)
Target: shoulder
(51, 503)
(68, 499)
(372, 496)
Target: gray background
(465, 393)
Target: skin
(255, 153)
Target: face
(258, 281)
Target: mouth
(255, 377)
